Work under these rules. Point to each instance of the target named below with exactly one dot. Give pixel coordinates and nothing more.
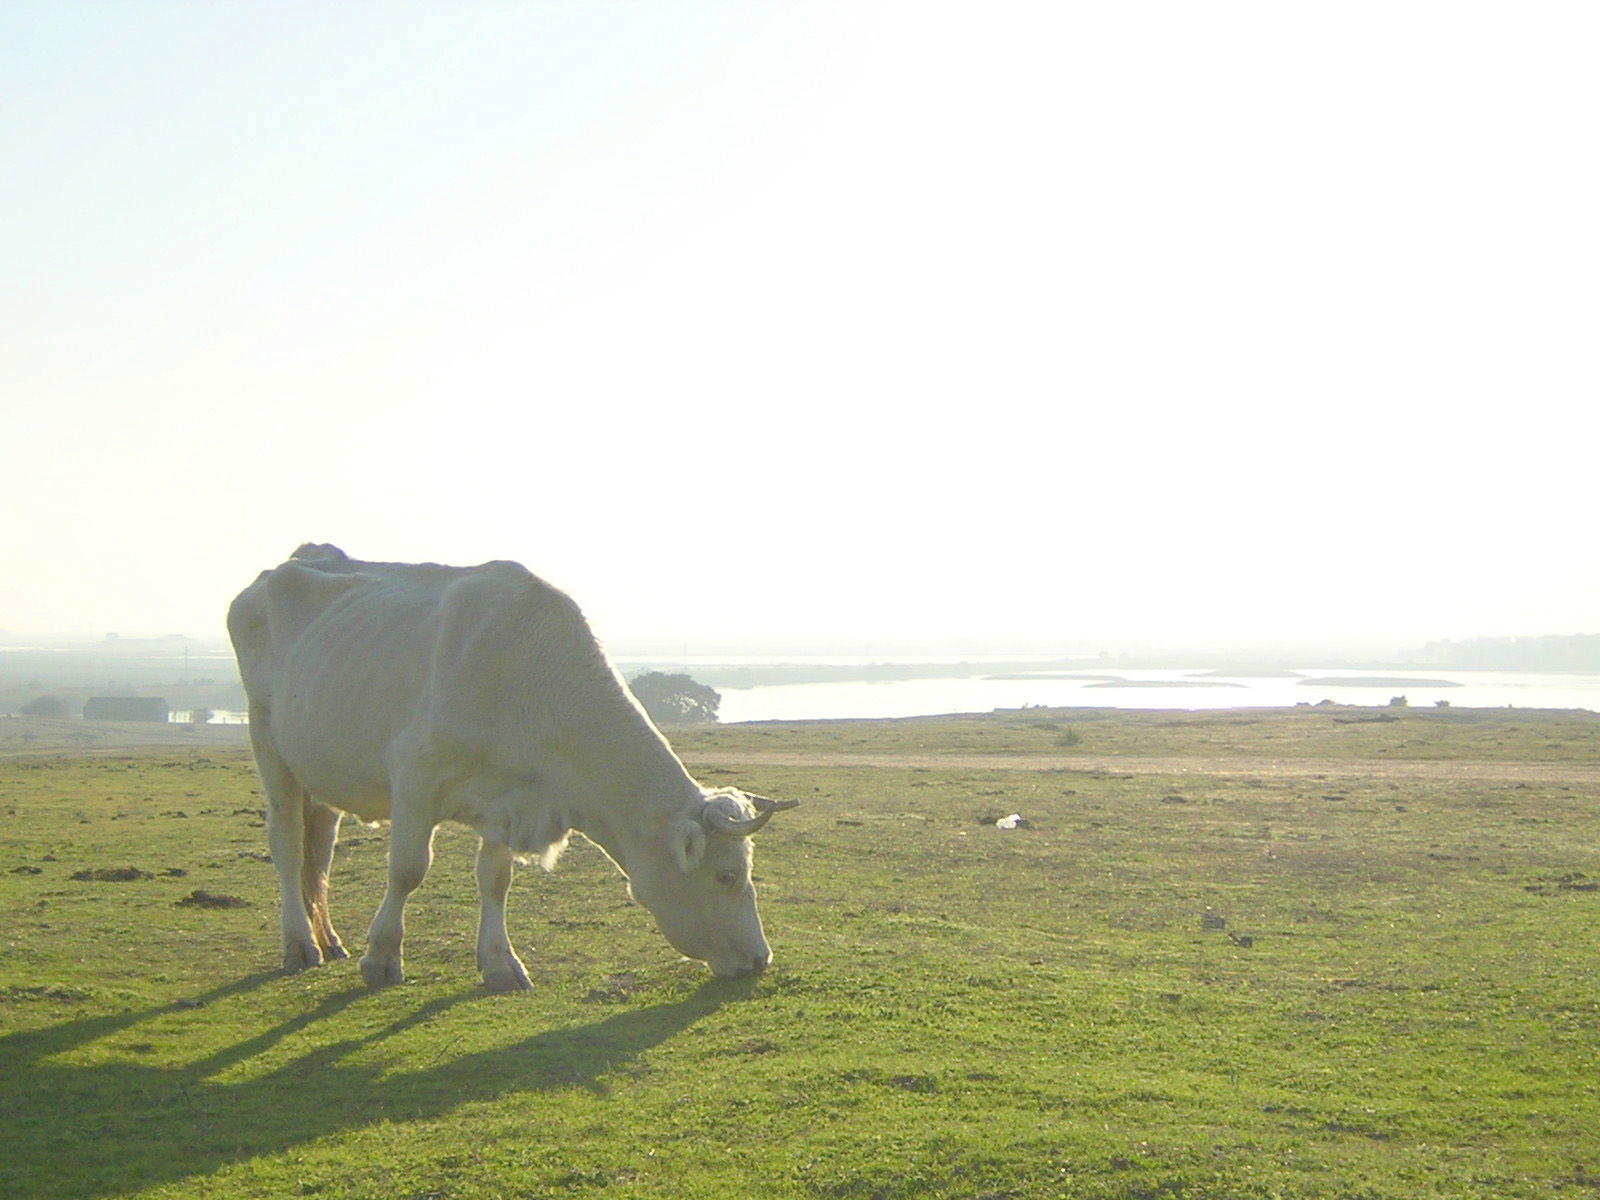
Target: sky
(866, 323)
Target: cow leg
(286, 813)
(322, 833)
(502, 969)
(410, 854)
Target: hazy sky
(885, 321)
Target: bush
(675, 699)
(45, 706)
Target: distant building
(125, 708)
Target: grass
(1402, 1000)
(1338, 732)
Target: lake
(1180, 688)
(1174, 687)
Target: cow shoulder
(510, 651)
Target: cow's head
(697, 885)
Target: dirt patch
(110, 875)
(200, 898)
(51, 991)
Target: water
(1174, 688)
(1178, 688)
(219, 716)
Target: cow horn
(721, 822)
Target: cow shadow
(69, 1129)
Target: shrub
(675, 699)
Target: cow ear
(689, 843)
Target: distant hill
(1578, 652)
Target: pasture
(1265, 954)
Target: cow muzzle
(742, 967)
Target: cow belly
(360, 794)
(337, 774)
(368, 805)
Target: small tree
(201, 716)
(675, 699)
(45, 706)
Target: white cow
(424, 693)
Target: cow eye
(727, 879)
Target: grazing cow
(424, 693)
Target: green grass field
(1230, 955)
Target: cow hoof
(382, 972)
(334, 952)
(506, 981)
(298, 958)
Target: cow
(423, 693)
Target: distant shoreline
(1388, 681)
(1165, 683)
(1114, 681)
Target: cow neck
(621, 804)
